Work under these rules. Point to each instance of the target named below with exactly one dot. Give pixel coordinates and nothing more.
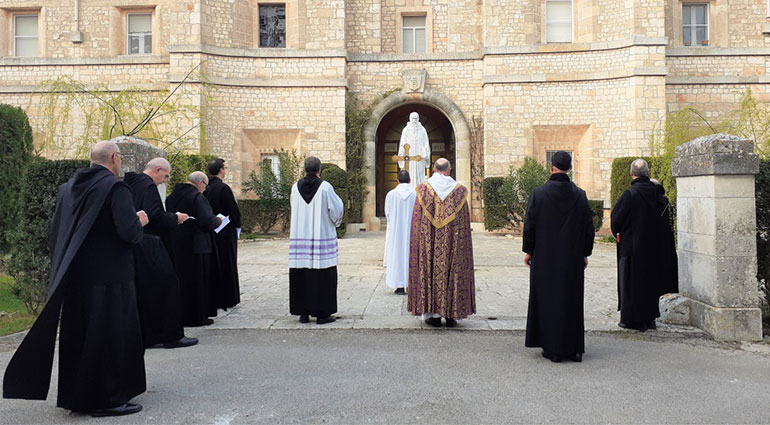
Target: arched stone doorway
(434, 100)
(440, 135)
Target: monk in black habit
(558, 239)
(157, 286)
(192, 247)
(227, 291)
(101, 357)
(646, 253)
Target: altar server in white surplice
(316, 211)
(399, 204)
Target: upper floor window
(272, 25)
(558, 21)
(695, 24)
(413, 34)
(25, 35)
(139, 33)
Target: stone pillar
(136, 153)
(716, 225)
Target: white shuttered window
(558, 21)
(413, 36)
(25, 36)
(140, 34)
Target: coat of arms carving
(414, 80)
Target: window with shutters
(558, 21)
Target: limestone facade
(598, 95)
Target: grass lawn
(13, 314)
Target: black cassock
(101, 357)
(646, 252)
(192, 251)
(157, 286)
(558, 233)
(227, 292)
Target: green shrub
(15, 153)
(505, 200)
(273, 192)
(597, 211)
(30, 256)
(183, 164)
(261, 214)
(660, 169)
(338, 178)
(495, 210)
(762, 185)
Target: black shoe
(324, 320)
(304, 318)
(125, 409)
(652, 325)
(434, 321)
(642, 328)
(451, 323)
(182, 342)
(208, 322)
(400, 291)
(552, 357)
(577, 357)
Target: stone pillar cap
(715, 154)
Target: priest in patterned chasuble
(441, 280)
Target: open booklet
(225, 221)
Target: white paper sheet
(225, 220)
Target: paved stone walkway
(365, 301)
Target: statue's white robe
(417, 138)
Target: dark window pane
(133, 45)
(687, 36)
(148, 43)
(701, 34)
(272, 26)
(700, 14)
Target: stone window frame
(544, 22)
(694, 25)
(7, 37)
(119, 29)
(426, 11)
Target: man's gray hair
(197, 177)
(312, 165)
(639, 168)
(101, 152)
(442, 164)
(158, 162)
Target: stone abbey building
(592, 77)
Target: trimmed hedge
(30, 257)
(338, 178)
(263, 214)
(495, 209)
(620, 180)
(597, 211)
(184, 164)
(15, 153)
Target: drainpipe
(77, 36)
